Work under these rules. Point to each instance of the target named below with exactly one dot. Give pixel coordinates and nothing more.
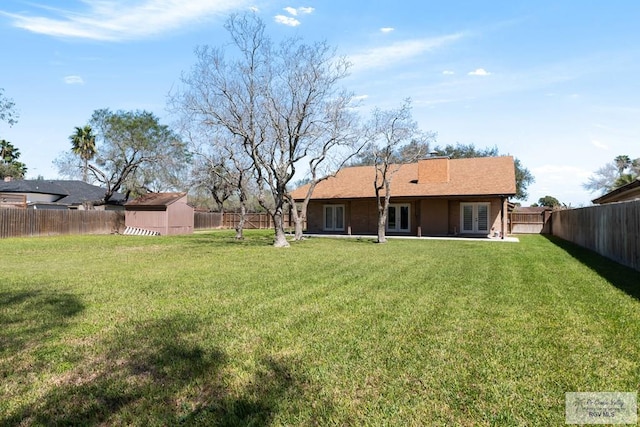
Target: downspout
(502, 217)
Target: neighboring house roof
(531, 209)
(70, 192)
(154, 200)
(629, 191)
(431, 177)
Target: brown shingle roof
(156, 199)
(465, 177)
(628, 191)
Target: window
(398, 217)
(474, 218)
(334, 217)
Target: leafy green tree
(83, 142)
(621, 171)
(130, 142)
(460, 151)
(407, 153)
(622, 162)
(549, 201)
(466, 151)
(9, 163)
(8, 111)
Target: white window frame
(474, 217)
(333, 226)
(398, 208)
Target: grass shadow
(29, 317)
(157, 373)
(622, 277)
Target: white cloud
(112, 20)
(479, 72)
(73, 80)
(387, 29)
(290, 20)
(448, 72)
(599, 144)
(301, 10)
(286, 20)
(385, 56)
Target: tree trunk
(280, 240)
(298, 221)
(382, 222)
(299, 230)
(240, 226)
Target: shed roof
(460, 177)
(156, 200)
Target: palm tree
(9, 164)
(8, 153)
(83, 143)
(622, 162)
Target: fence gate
(530, 222)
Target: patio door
(398, 218)
(474, 218)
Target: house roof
(531, 209)
(71, 192)
(435, 177)
(156, 199)
(626, 192)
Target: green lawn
(203, 330)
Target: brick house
(436, 196)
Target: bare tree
(340, 140)
(8, 112)
(212, 175)
(279, 103)
(621, 171)
(224, 169)
(388, 130)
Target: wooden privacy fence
(205, 220)
(530, 222)
(46, 222)
(612, 230)
(253, 220)
(49, 222)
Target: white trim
(475, 218)
(335, 223)
(398, 215)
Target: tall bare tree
(280, 103)
(387, 131)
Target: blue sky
(554, 83)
